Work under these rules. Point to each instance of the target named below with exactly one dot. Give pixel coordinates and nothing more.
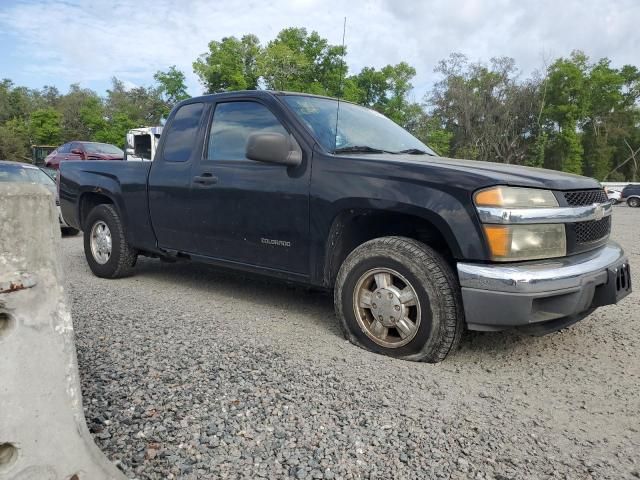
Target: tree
(46, 126)
(16, 102)
(430, 130)
(488, 112)
(142, 105)
(114, 130)
(386, 90)
(14, 140)
(589, 121)
(298, 61)
(108, 127)
(566, 104)
(172, 87)
(71, 106)
(230, 64)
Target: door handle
(205, 179)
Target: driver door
(253, 213)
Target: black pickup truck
(330, 194)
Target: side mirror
(274, 147)
(76, 151)
(130, 151)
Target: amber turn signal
(499, 240)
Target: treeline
(47, 117)
(577, 115)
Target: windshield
(102, 148)
(360, 129)
(25, 175)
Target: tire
(633, 202)
(122, 258)
(436, 318)
(70, 231)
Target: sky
(59, 42)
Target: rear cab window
(181, 134)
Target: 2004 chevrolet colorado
(304, 188)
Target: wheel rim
(634, 202)
(100, 242)
(387, 307)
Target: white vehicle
(614, 195)
(142, 143)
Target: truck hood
(489, 173)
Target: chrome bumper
(499, 296)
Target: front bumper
(546, 295)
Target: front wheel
(634, 202)
(399, 297)
(105, 247)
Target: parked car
(415, 247)
(631, 195)
(25, 173)
(83, 151)
(613, 195)
(53, 174)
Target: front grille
(591, 231)
(580, 198)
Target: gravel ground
(194, 372)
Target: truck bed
(123, 183)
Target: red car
(83, 151)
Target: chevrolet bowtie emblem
(599, 211)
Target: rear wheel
(105, 247)
(634, 202)
(399, 297)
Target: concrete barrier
(43, 434)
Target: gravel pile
(194, 372)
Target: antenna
(341, 87)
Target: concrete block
(43, 434)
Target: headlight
(526, 242)
(515, 197)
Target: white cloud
(75, 41)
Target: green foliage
(172, 84)
(230, 64)
(172, 87)
(301, 62)
(536, 159)
(115, 129)
(71, 107)
(578, 116)
(430, 131)
(142, 105)
(489, 114)
(46, 126)
(589, 115)
(14, 140)
(48, 117)
(386, 90)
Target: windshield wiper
(360, 149)
(415, 151)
